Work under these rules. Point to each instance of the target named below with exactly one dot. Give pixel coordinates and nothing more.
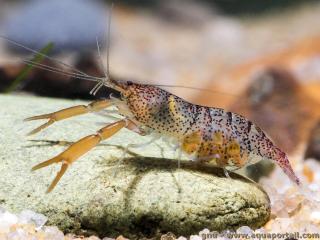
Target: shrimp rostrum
(206, 134)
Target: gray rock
(69, 24)
(139, 197)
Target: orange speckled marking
(191, 142)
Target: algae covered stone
(144, 195)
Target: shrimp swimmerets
(206, 134)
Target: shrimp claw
(67, 113)
(79, 148)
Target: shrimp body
(207, 133)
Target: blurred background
(258, 58)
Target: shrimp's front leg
(81, 147)
(69, 112)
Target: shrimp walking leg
(69, 112)
(79, 148)
(226, 173)
(134, 145)
(179, 155)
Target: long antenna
(44, 55)
(103, 82)
(193, 88)
(96, 88)
(109, 37)
(59, 71)
(101, 60)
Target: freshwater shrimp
(205, 134)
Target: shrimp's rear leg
(178, 152)
(69, 112)
(79, 148)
